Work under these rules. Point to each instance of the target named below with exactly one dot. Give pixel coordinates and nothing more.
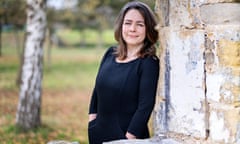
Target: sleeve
(94, 101)
(147, 95)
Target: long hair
(148, 48)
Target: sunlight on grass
(74, 69)
(87, 36)
(9, 65)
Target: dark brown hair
(148, 48)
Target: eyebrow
(129, 20)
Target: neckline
(128, 62)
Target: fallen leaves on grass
(64, 117)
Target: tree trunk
(29, 106)
(50, 42)
(17, 41)
(0, 38)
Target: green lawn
(72, 68)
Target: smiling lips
(133, 36)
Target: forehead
(133, 14)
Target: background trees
(73, 14)
(12, 16)
(97, 14)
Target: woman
(124, 93)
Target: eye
(127, 23)
(141, 25)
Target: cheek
(124, 29)
(124, 32)
(143, 34)
(144, 31)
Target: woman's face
(133, 28)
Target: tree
(29, 106)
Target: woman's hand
(130, 136)
(92, 117)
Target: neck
(133, 51)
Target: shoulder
(150, 60)
(150, 63)
(150, 66)
(108, 54)
(110, 51)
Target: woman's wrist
(92, 117)
(130, 136)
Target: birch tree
(29, 106)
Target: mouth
(132, 36)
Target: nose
(132, 27)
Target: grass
(75, 68)
(88, 38)
(67, 86)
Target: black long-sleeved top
(123, 98)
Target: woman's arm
(94, 101)
(147, 92)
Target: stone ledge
(167, 138)
(154, 140)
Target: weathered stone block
(162, 8)
(181, 14)
(223, 80)
(186, 111)
(186, 83)
(220, 13)
(224, 123)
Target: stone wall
(198, 100)
(200, 59)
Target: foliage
(97, 14)
(13, 12)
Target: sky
(59, 4)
